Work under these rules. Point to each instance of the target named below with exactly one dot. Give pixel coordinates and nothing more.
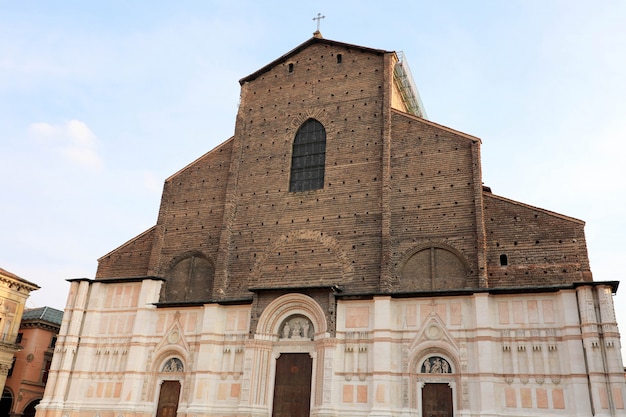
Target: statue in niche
(297, 329)
(286, 331)
(173, 365)
(436, 365)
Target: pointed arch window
(308, 157)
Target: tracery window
(308, 157)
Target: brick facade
(394, 184)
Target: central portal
(292, 389)
(437, 400)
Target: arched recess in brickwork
(302, 257)
(433, 267)
(289, 305)
(189, 278)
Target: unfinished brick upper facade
(402, 209)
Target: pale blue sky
(100, 101)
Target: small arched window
(308, 157)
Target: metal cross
(318, 18)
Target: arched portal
(290, 335)
(170, 375)
(436, 384)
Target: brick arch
(318, 114)
(426, 245)
(288, 305)
(433, 266)
(29, 410)
(184, 255)
(336, 266)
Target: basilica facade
(339, 255)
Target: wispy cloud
(73, 140)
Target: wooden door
(168, 399)
(292, 389)
(437, 400)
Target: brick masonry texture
(130, 260)
(402, 208)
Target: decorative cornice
(18, 284)
(493, 291)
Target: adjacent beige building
(14, 292)
(340, 256)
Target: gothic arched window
(308, 157)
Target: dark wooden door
(292, 389)
(168, 399)
(437, 400)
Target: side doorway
(437, 400)
(168, 399)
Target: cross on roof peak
(318, 18)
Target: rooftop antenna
(317, 33)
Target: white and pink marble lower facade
(518, 354)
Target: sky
(101, 101)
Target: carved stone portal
(296, 328)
